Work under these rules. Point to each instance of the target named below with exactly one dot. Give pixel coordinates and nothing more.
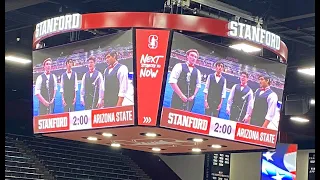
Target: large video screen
(280, 163)
(96, 74)
(218, 82)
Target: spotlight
(156, 149)
(91, 138)
(115, 145)
(196, 150)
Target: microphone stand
(94, 92)
(244, 102)
(186, 105)
(49, 107)
(94, 95)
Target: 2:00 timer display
(83, 119)
(225, 129)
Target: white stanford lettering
(254, 34)
(58, 24)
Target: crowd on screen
(84, 80)
(231, 67)
(80, 57)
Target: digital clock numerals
(80, 120)
(223, 128)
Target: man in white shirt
(239, 104)
(265, 104)
(91, 92)
(116, 81)
(185, 80)
(215, 91)
(69, 87)
(46, 88)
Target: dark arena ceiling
(294, 21)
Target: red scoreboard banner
(151, 54)
(86, 119)
(185, 121)
(216, 127)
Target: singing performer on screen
(265, 104)
(116, 81)
(239, 104)
(69, 87)
(185, 80)
(91, 92)
(215, 91)
(46, 88)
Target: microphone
(94, 82)
(188, 76)
(245, 96)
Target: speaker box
(296, 105)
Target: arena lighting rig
(120, 90)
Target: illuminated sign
(58, 24)
(254, 34)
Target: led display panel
(222, 92)
(84, 85)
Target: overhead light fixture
(312, 101)
(196, 150)
(307, 71)
(107, 134)
(91, 138)
(216, 146)
(197, 140)
(17, 59)
(115, 145)
(151, 134)
(156, 149)
(245, 47)
(299, 119)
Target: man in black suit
(69, 87)
(46, 88)
(185, 80)
(92, 88)
(264, 103)
(116, 81)
(239, 100)
(215, 91)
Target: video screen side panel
(84, 85)
(241, 94)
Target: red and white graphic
(155, 142)
(86, 119)
(51, 123)
(112, 117)
(255, 135)
(153, 42)
(216, 127)
(150, 69)
(154, 20)
(185, 121)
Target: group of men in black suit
(258, 108)
(97, 90)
